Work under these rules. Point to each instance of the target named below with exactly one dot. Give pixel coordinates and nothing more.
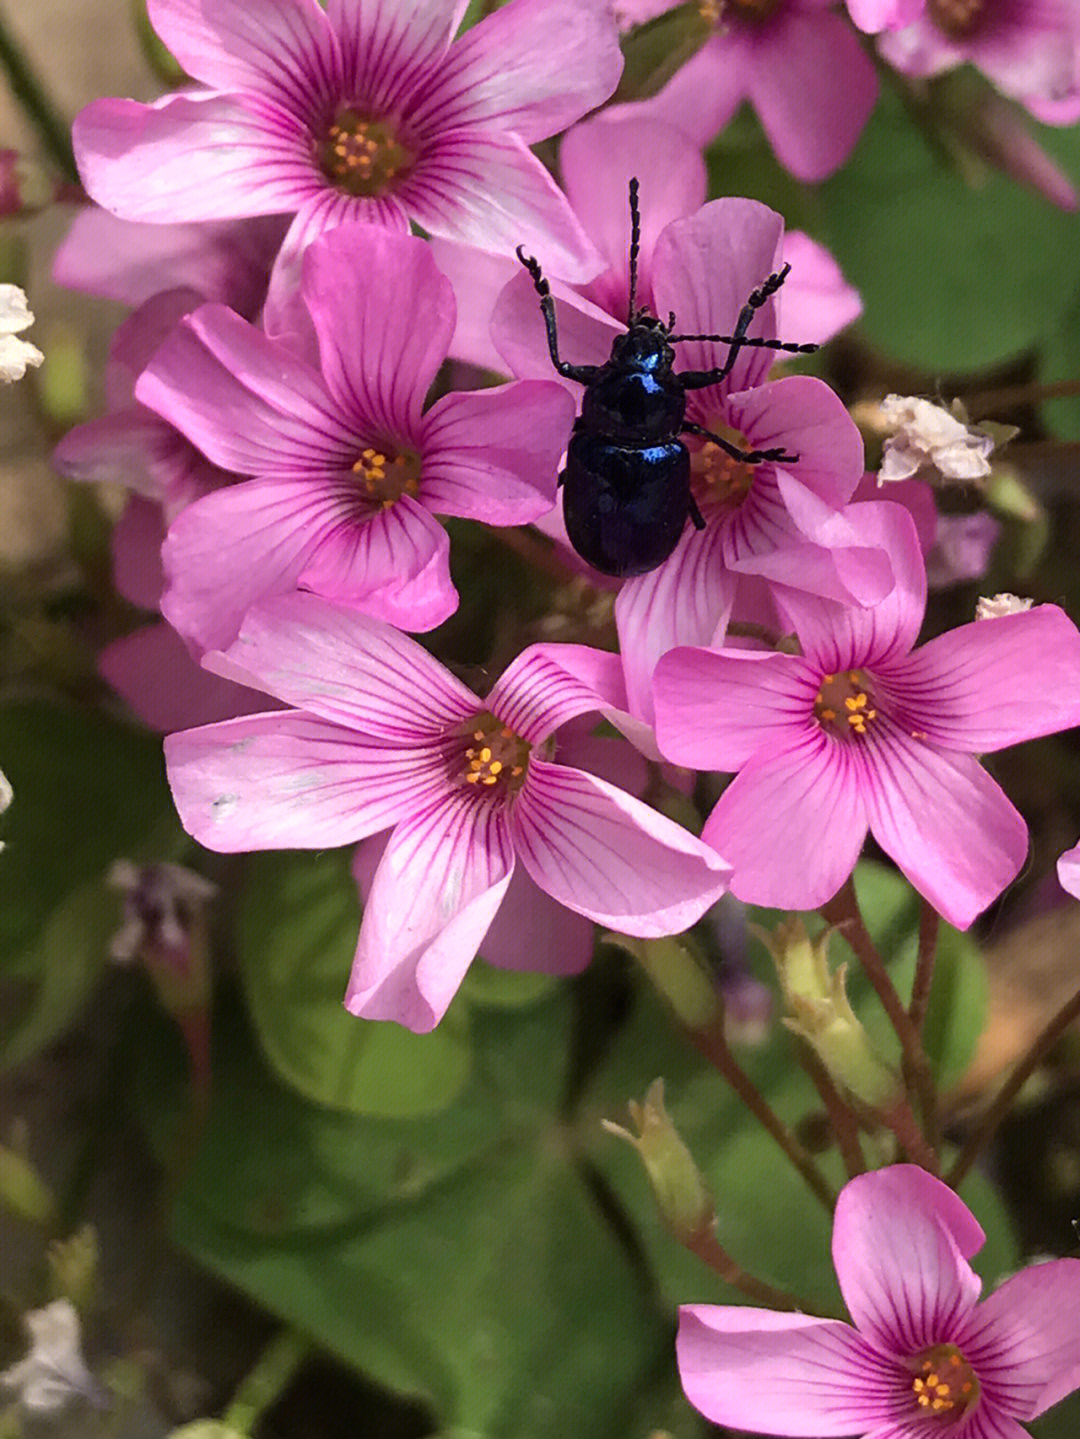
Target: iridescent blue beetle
(626, 485)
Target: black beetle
(626, 485)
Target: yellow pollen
(945, 1383)
(718, 479)
(385, 476)
(843, 705)
(497, 758)
(362, 155)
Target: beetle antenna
(635, 246)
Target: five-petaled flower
(367, 110)
(925, 1359)
(384, 737)
(860, 732)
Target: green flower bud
(681, 1194)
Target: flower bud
(680, 976)
(681, 1194)
(820, 1013)
(73, 1266)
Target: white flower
(926, 434)
(15, 316)
(6, 795)
(54, 1371)
(996, 605)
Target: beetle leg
(696, 516)
(747, 457)
(583, 374)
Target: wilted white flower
(54, 1372)
(160, 901)
(996, 605)
(15, 316)
(927, 434)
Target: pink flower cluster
(283, 405)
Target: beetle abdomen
(625, 506)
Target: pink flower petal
(704, 269)
(702, 96)
(816, 302)
(812, 121)
(532, 67)
(491, 191)
(610, 857)
(136, 553)
(283, 49)
(805, 417)
(971, 688)
(715, 711)
(874, 16)
(791, 823)
(789, 1374)
(517, 329)
(350, 669)
(945, 822)
(533, 932)
(685, 601)
(901, 1242)
(393, 565)
(293, 781)
(538, 691)
(1068, 871)
(210, 158)
(381, 345)
(152, 670)
(843, 636)
(390, 48)
(598, 158)
(439, 885)
(243, 400)
(242, 544)
(136, 448)
(493, 455)
(319, 213)
(478, 278)
(1024, 1340)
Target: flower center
(844, 704)
(385, 476)
(944, 1382)
(713, 12)
(718, 480)
(495, 758)
(957, 18)
(362, 156)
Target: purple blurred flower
(860, 733)
(368, 111)
(1028, 48)
(924, 1360)
(961, 550)
(799, 64)
(349, 469)
(386, 737)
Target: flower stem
(708, 1249)
(1022, 1072)
(929, 924)
(842, 1117)
(263, 1385)
(843, 912)
(712, 1044)
(30, 92)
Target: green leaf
(298, 921)
(459, 1259)
(953, 277)
(59, 971)
(88, 790)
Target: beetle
(626, 484)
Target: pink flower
(364, 111)
(924, 1360)
(874, 16)
(1028, 48)
(799, 64)
(1068, 871)
(859, 733)
(349, 469)
(385, 737)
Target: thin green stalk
(271, 1375)
(30, 92)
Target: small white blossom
(927, 434)
(54, 1372)
(6, 795)
(15, 316)
(995, 606)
